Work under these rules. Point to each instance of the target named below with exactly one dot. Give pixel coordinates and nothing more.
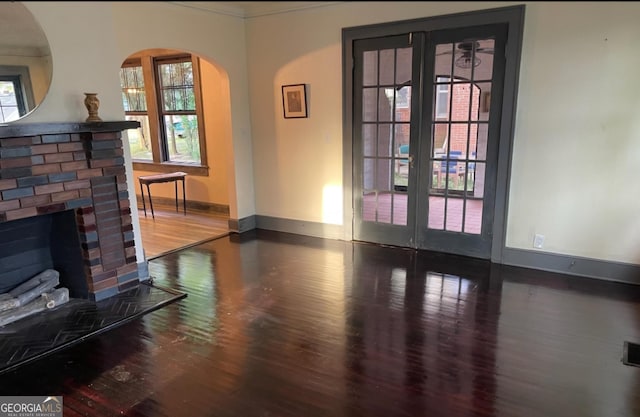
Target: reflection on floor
(283, 325)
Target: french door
(426, 130)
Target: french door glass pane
(387, 66)
(403, 65)
(383, 175)
(370, 68)
(436, 213)
(403, 104)
(473, 217)
(369, 201)
(385, 140)
(477, 176)
(384, 207)
(443, 61)
(385, 104)
(369, 139)
(369, 104)
(400, 209)
(454, 207)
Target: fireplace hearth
(64, 205)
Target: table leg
(175, 186)
(144, 206)
(150, 202)
(184, 198)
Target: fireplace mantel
(48, 168)
(31, 129)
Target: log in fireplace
(64, 205)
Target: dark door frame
(513, 16)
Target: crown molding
(250, 9)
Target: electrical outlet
(538, 241)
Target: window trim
(140, 165)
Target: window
(442, 98)
(16, 93)
(403, 97)
(11, 102)
(135, 107)
(163, 94)
(178, 110)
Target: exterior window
(135, 108)
(442, 98)
(162, 93)
(403, 97)
(178, 110)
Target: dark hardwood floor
(277, 324)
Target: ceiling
(247, 9)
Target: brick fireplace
(78, 168)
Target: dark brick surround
(51, 167)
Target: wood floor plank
(283, 325)
(171, 230)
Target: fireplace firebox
(32, 245)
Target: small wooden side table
(159, 178)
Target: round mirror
(25, 62)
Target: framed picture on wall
(294, 101)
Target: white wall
(90, 40)
(574, 153)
